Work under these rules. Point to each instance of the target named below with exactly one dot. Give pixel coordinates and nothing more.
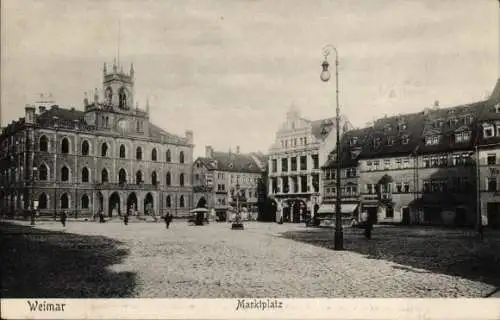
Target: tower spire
(119, 40)
(147, 105)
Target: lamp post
(237, 224)
(325, 77)
(32, 213)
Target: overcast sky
(229, 70)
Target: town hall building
(107, 158)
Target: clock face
(122, 125)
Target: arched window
(181, 201)
(181, 157)
(138, 177)
(154, 181)
(64, 201)
(104, 149)
(122, 95)
(85, 175)
(138, 153)
(122, 176)
(43, 202)
(44, 144)
(104, 175)
(153, 154)
(169, 201)
(64, 174)
(43, 173)
(168, 156)
(65, 145)
(109, 96)
(169, 179)
(122, 151)
(85, 202)
(85, 148)
(181, 179)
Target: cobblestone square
(146, 260)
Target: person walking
(168, 219)
(101, 217)
(125, 218)
(368, 226)
(63, 218)
(33, 214)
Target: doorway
(493, 211)
(132, 202)
(148, 204)
(460, 217)
(406, 216)
(114, 205)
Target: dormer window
(353, 141)
(451, 111)
(402, 127)
(432, 140)
(497, 108)
(405, 140)
(488, 131)
(462, 137)
(390, 141)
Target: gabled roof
(61, 113)
(394, 136)
(156, 131)
(352, 143)
(454, 120)
(231, 162)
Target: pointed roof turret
(132, 71)
(495, 95)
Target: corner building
(109, 157)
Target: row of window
(304, 187)
(346, 191)
(122, 176)
(400, 187)
(294, 163)
(85, 150)
(302, 141)
(460, 137)
(346, 173)
(43, 201)
(458, 184)
(401, 163)
(489, 130)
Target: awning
(344, 208)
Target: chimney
(237, 149)
(41, 109)
(436, 103)
(209, 152)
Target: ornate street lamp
(237, 224)
(325, 77)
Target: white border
(442, 309)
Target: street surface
(145, 260)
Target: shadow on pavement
(420, 250)
(51, 264)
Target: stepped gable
(394, 136)
(352, 144)
(445, 123)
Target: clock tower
(118, 88)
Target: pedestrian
(63, 218)
(168, 219)
(33, 214)
(101, 217)
(368, 226)
(125, 218)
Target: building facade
(220, 176)
(301, 146)
(488, 152)
(108, 158)
(351, 146)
